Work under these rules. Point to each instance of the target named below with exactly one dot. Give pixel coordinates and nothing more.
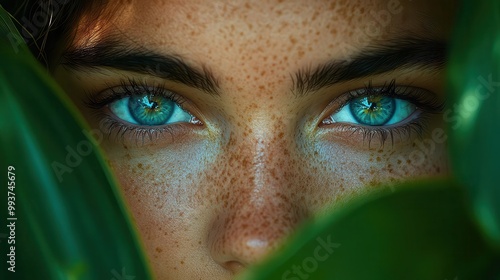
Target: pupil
(373, 106)
(153, 105)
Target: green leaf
(474, 77)
(71, 221)
(421, 231)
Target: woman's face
(228, 123)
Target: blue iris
(373, 110)
(148, 109)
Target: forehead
(174, 21)
(246, 37)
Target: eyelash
(426, 105)
(124, 131)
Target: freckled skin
(216, 198)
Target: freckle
(159, 250)
(378, 158)
(182, 262)
(408, 161)
(139, 165)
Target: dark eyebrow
(165, 66)
(375, 59)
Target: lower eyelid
(131, 134)
(373, 137)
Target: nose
(260, 205)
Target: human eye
(140, 109)
(149, 109)
(386, 111)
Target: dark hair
(44, 24)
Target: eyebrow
(166, 66)
(375, 59)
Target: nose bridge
(261, 206)
(263, 161)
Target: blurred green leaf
(474, 77)
(421, 231)
(71, 221)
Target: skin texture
(211, 199)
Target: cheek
(347, 171)
(161, 190)
(417, 161)
(151, 196)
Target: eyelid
(129, 88)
